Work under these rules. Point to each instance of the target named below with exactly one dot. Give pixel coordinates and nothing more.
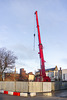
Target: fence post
(28, 86)
(15, 78)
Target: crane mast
(43, 76)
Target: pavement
(57, 95)
(62, 93)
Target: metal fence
(32, 86)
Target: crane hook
(34, 41)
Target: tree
(7, 60)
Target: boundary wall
(27, 87)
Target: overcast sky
(18, 24)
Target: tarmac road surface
(62, 93)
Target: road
(62, 93)
(57, 96)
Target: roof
(50, 69)
(30, 73)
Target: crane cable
(34, 33)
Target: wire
(34, 41)
(34, 33)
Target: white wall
(47, 87)
(31, 77)
(35, 86)
(64, 73)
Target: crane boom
(43, 76)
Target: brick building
(11, 77)
(23, 75)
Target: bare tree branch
(7, 59)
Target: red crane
(43, 77)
